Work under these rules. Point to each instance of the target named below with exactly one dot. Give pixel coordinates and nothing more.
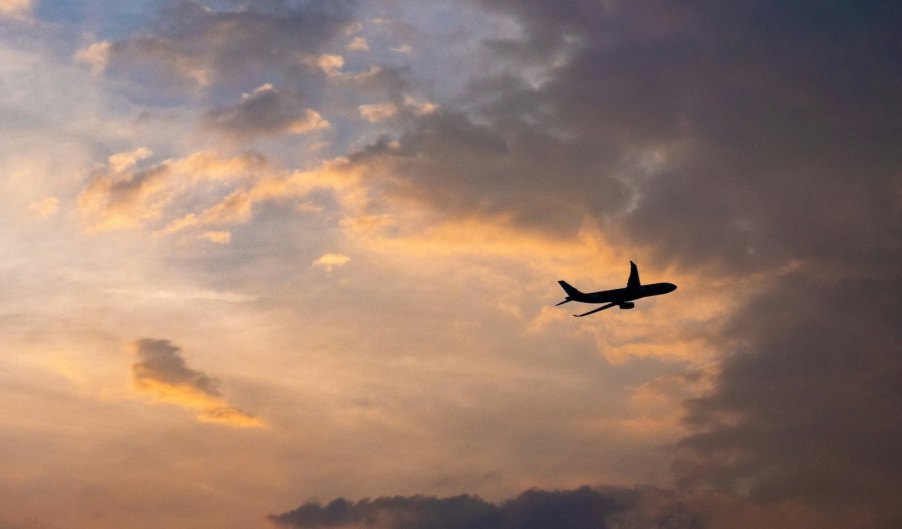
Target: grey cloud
(811, 409)
(737, 136)
(583, 508)
(775, 123)
(751, 135)
(162, 373)
(237, 45)
(161, 361)
(501, 169)
(266, 110)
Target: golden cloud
(218, 237)
(330, 261)
(125, 196)
(162, 374)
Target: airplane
(622, 297)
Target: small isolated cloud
(377, 112)
(162, 374)
(331, 261)
(266, 110)
(218, 237)
(44, 208)
(358, 44)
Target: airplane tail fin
(572, 293)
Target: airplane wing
(593, 311)
(633, 281)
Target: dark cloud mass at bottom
(581, 508)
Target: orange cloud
(125, 196)
(162, 374)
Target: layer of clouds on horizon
(572, 509)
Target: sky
(292, 264)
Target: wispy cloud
(44, 207)
(15, 8)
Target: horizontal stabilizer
(571, 292)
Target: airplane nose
(672, 287)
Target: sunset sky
(293, 264)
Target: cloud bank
(582, 508)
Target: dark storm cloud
(812, 409)
(583, 508)
(774, 121)
(778, 124)
(739, 135)
(194, 45)
(754, 137)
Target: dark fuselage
(623, 295)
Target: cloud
(266, 110)
(404, 49)
(191, 47)
(44, 207)
(162, 374)
(358, 43)
(330, 261)
(806, 410)
(332, 64)
(716, 121)
(218, 237)
(582, 508)
(719, 144)
(377, 112)
(456, 165)
(125, 196)
(15, 8)
(96, 55)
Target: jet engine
(627, 305)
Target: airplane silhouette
(622, 297)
